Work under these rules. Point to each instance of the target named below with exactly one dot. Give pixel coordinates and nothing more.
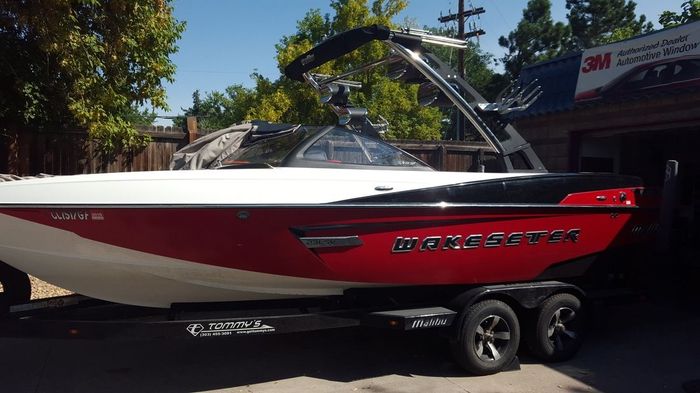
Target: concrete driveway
(645, 347)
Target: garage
(636, 112)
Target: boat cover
(8, 177)
(209, 151)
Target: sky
(227, 40)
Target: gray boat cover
(209, 151)
(7, 177)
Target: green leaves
(382, 97)
(536, 38)
(591, 23)
(289, 101)
(398, 105)
(34, 100)
(86, 63)
(114, 133)
(690, 12)
(594, 22)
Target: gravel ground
(42, 289)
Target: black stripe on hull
(542, 189)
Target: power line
(461, 14)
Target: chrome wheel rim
(492, 338)
(558, 333)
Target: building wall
(556, 137)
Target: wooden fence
(451, 156)
(70, 152)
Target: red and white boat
(300, 211)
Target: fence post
(192, 128)
(12, 151)
(442, 156)
(25, 146)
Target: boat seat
(316, 154)
(322, 150)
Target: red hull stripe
(265, 239)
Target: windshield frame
(295, 158)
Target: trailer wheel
(557, 333)
(487, 337)
(16, 286)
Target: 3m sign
(596, 63)
(666, 59)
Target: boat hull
(157, 238)
(156, 255)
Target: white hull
(278, 186)
(126, 276)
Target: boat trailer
(76, 316)
(479, 316)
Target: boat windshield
(271, 150)
(328, 147)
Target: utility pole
(460, 59)
(461, 17)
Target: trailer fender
(525, 296)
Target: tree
(311, 30)
(284, 100)
(619, 34)
(536, 38)
(690, 12)
(597, 22)
(139, 117)
(221, 109)
(85, 63)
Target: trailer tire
(557, 331)
(487, 337)
(17, 288)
